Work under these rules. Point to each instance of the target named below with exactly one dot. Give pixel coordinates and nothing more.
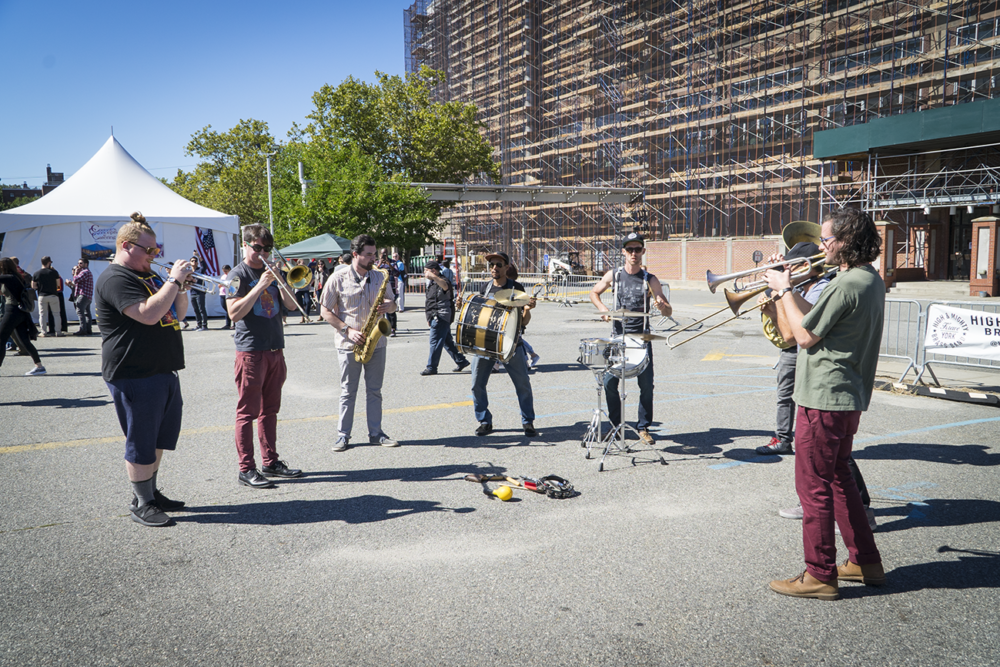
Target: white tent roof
(107, 189)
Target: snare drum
(593, 352)
(629, 360)
(484, 328)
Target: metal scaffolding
(708, 107)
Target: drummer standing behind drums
(632, 282)
(517, 365)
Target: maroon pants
(259, 377)
(826, 488)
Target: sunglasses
(634, 249)
(152, 251)
(497, 265)
(261, 248)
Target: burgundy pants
(826, 488)
(259, 377)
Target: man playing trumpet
(254, 307)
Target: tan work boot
(869, 575)
(807, 586)
(646, 437)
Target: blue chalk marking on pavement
(898, 434)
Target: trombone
(233, 283)
(736, 299)
(298, 278)
(715, 280)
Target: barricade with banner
(901, 333)
(961, 333)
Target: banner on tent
(961, 332)
(97, 242)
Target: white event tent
(82, 216)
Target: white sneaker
(383, 440)
(37, 370)
(791, 513)
(534, 360)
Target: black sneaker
(429, 371)
(462, 365)
(279, 469)
(529, 430)
(485, 428)
(775, 447)
(151, 515)
(166, 504)
(254, 479)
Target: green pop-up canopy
(324, 246)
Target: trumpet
(233, 283)
(716, 280)
(735, 301)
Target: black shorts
(149, 411)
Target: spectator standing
(390, 266)
(198, 297)
(48, 284)
(401, 280)
(15, 319)
(304, 297)
(223, 293)
(83, 294)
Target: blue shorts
(149, 411)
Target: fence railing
(904, 331)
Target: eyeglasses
(261, 248)
(824, 239)
(497, 265)
(634, 249)
(152, 251)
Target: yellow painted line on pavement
(14, 449)
(718, 356)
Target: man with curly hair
(838, 340)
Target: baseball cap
(632, 238)
(498, 255)
(433, 265)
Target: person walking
(439, 308)
(14, 318)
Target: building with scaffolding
(733, 118)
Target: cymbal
(646, 336)
(512, 297)
(618, 314)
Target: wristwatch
(171, 279)
(784, 292)
(343, 329)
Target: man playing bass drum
(634, 285)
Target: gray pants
(350, 380)
(82, 304)
(785, 429)
(46, 303)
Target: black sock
(153, 478)
(144, 491)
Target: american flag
(206, 248)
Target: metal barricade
(902, 332)
(928, 358)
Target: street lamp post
(270, 205)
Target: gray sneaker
(383, 440)
(791, 513)
(341, 444)
(37, 370)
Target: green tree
(14, 203)
(232, 177)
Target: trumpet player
(254, 307)
(838, 339)
(141, 352)
(350, 301)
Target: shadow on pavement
(978, 569)
(92, 402)
(504, 438)
(976, 455)
(702, 443)
(449, 473)
(361, 509)
(937, 512)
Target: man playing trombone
(632, 286)
(838, 341)
(254, 307)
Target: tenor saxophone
(376, 326)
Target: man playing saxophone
(353, 302)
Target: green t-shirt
(838, 372)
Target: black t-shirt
(131, 350)
(47, 280)
(438, 303)
(260, 328)
(633, 294)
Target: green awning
(323, 246)
(961, 125)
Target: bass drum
(484, 328)
(627, 356)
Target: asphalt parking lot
(387, 556)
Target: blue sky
(160, 71)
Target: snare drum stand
(593, 437)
